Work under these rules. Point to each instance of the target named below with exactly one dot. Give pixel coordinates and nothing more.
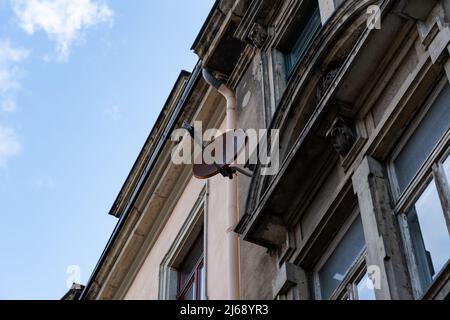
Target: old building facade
(359, 92)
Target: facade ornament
(258, 35)
(327, 80)
(343, 135)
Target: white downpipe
(232, 191)
(232, 202)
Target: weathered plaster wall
(217, 254)
(257, 266)
(146, 283)
(249, 95)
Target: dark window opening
(302, 36)
(344, 275)
(421, 143)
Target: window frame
(195, 275)
(193, 226)
(430, 170)
(274, 58)
(349, 288)
(301, 42)
(401, 197)
(355, 271)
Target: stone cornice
(149, 146)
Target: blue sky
(81, 83)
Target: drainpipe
(232, 188)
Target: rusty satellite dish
(218, 155)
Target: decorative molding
(327, 80)
(258, 35)
(259, 14)
(248, 19)
(343, 135)
(348, 137)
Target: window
(303, 35)
(429, 234)
(423, 139)
(182, 270)
(191, 274)
(420, 178)
(343, 275)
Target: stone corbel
(343, 135)
(258, 35)
(326, 82)
(253, 27)
(347, 137)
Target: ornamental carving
(343, 135)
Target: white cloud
(8, 80)
(9, 74)
(62, 20)
(10, 54)
(9, 144)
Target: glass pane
(202, 283)
(305, 35)
(429, 233)
(344, 256)
(435, 123)
(447, 168)
(365, 289)
(190, 293)
(191, 260)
